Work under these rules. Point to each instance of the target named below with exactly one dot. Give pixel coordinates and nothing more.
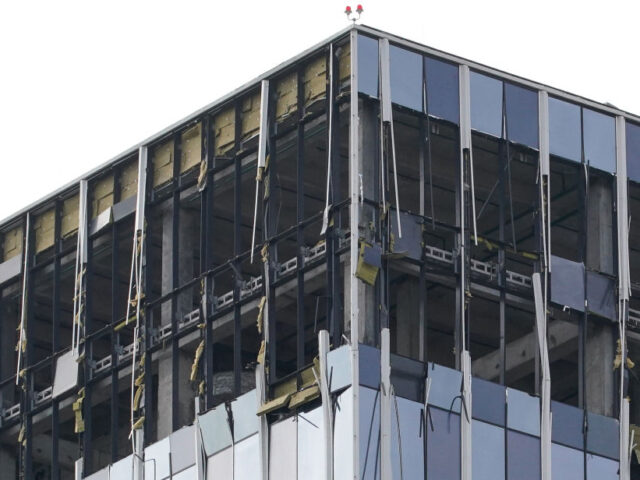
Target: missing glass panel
(564, 130)
(486, 104)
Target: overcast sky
(81, 81)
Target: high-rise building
(377, 261)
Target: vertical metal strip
(387, 118)
(79, 290)
(325, 215)
(385, 405)
(26, 252)
(327, 404)
(262, 153)
(545, 400)
(263, 426)
(354, 220)
(465, 358)
(624, 287)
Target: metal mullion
(237, 279)
(300, 320)
(175, 280)
(207, 253)
(28, 390)
(87, 449)
(114, 313)
(55, 336)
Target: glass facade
(219, 297)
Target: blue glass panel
(406, 78)
(633, 152)
(599, 468)
(523, 456)
(599, 140)
(488, 451)
(408, 421)
(214, 426)
(523, 412)
(567, 283)
(443, 90)
(183, 451)
(368, 65)
(486, 104)
(566, 463)
(157, 456)
(489, 400)
(245, 420)
(522, 115)
(339, 368)
(601, 295)
(343, 436)
(310, 435)
(602, 435)
(564, 130)
(567, 425)
(445, 387)
(443, 446)
(369, 433)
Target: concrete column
(8, 458)
(187, 242)
(369, 163)
(408, 319)
(600, 349)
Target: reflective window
(443, 446)
(523, 412)
(564, 130)
(523, 456)
(343, 434)
(633, 151)
(567, 425)
(189, 474)
(522, 115)
(488, 451)
(599, 468)
(310, 435)
(599, 140)
(245, 420)
(445, 386)
(601, 295)
(567, 283)
(369, 433)
(368, 65)
(408, 423)
(566, 463)
(156, 457)
(486, 104)
(602, 435)
(442, 90)
(66, 376)
(339, 367)
(220, 465)
(246, 462)
(489, 400)
(283, 449)
(406, 77)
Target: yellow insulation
(162, 161)
(44, 230)
(191, 148)
(315, 80)
(69, 220)
(286, 94)
(129, 180)
(250, 115)
(224, 130)
(101, 195)
(12, 243)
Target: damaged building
(377, 261)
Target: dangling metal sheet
(327, 404)
(22, 341)
(545, 397)
(79, 290)
(262, 154)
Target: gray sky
(81, 81)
